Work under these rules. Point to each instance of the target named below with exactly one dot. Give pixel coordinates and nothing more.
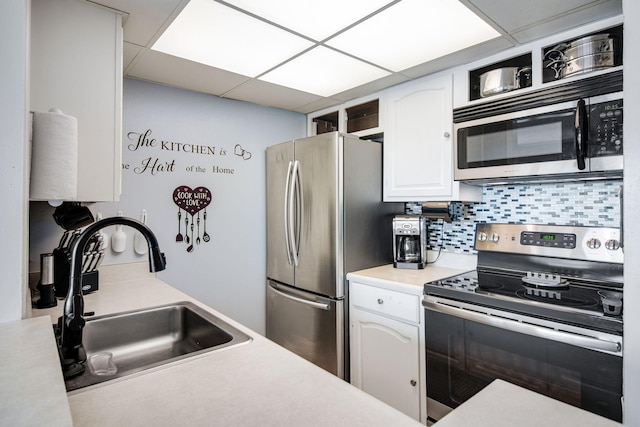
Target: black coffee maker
(409, 241)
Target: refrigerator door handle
(295, 204)
(315, 304)
(286, 215)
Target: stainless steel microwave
(570, 138)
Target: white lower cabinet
(386, 327)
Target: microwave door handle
(581, 132)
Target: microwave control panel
(605, 129)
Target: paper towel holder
(54, 157)
(72, 215)
(439, 210)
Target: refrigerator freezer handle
(294, 191)
(311, 303)
(287, 218)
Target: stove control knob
(495, 237)
(612, 244)
(593, 243)
(482, 236)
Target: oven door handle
(525, 328)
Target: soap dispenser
(46, 283)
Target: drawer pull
(380, 301)
(413, 383)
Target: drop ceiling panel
(320, 104)
(271, 95)
(162, 68)
(515, 15)
(464, 56)
(601, 10)
(371, 87)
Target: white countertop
(502, 404)
(412, 281)
(32, 391)
(256, 383)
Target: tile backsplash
(587, 203)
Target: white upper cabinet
(76, 66)
(418, 150)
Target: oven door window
(540, 138)
(464, 356)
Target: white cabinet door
(385, 360)
(76, 66)
(418, 150)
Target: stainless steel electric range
(543, 310)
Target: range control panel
(548, 239)
(572, 242)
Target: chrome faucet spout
(72, 321)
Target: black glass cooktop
(556, 299)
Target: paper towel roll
(54, 156)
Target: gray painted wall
(194, 140)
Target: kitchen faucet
(72, 322)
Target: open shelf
(590, 52)
(326, 123)
(363, 116)
(522, 63)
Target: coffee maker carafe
(409, 241)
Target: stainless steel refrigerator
(325, 218)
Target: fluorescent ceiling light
(318, 20)
(323, 71)
(412, 32)
(228, 35)
(213, 34)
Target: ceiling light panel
(323, 71)
(317, 21)
(213, 34)
(414, 31)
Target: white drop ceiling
(355, 40)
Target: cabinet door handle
(413, 383)
(380, 301)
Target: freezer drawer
(308, 325)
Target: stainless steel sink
(125, 343)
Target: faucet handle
(75, 323)
(74, 319)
